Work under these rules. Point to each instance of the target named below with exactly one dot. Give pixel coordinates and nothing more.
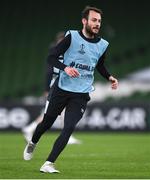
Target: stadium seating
(26, 32)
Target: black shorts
(59, 99)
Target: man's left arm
(103, 71)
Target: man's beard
(90, 32)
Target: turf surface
(100, 156)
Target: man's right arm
(55, 52)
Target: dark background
(28, 27)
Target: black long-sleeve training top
(60, 49)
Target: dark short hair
(87, 9)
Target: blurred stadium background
(26, 30)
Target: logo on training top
(82, 47)
(72, 64)
(81, 66)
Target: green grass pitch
(100, 156)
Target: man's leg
(29, 129)
(42, 127)
(74, 112)
(72, 139)
(53, 108)
(46, 123)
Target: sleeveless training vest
(83, 56)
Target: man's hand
(114, 82)
(72, 72)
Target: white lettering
(3, 118)
(16, 117)
(115, 118)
